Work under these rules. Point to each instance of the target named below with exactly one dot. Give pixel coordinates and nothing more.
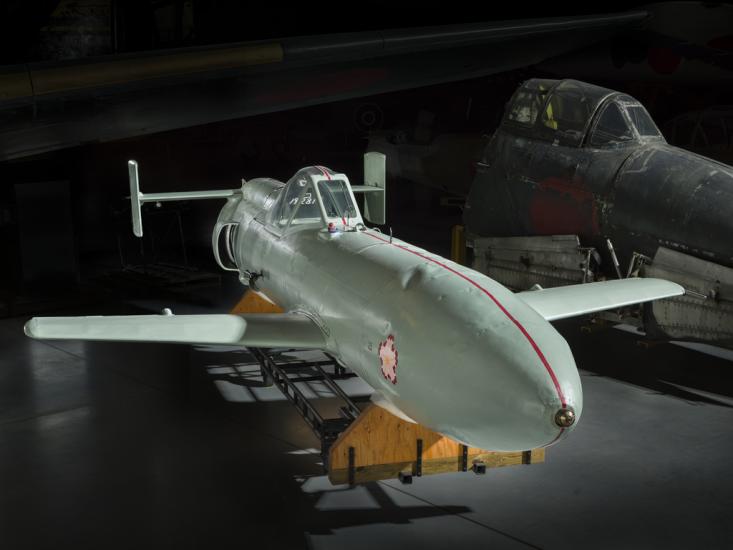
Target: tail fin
(374, 188)
(137, 198)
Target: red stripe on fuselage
(562, 430)
(521, 328)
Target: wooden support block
(254, 302)
(384, 446)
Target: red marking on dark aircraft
(722, 43)
(560, 207)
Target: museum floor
(162, 446)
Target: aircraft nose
(517, 405)
(566, 406)
(565, 417)
(548, 397)
(501, 378)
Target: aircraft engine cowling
(234, 218)
(670, 197)
(224, 246)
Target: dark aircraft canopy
(573, 113)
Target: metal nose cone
(565, 417)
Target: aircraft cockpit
(316, 196)
(576, 114)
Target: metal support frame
(279, 373)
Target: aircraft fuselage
(451, 348)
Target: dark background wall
(91, 210)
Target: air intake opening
(226, 245)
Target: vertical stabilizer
(375, 177)
(135, 204)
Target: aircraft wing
(254, 330)
(52, 105)
(570, 301)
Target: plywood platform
(254, 302)
(379, 445)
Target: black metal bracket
(526, 457)
(464, 458)
(267, 379)
(252, 279)
(352, 466)
(418, 461)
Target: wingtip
(29, 328)
(675, 289)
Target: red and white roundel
(388, 359)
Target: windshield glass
(336, 199)
(525, 106)
(611, 127)
(566, 114)
(527, 102)
(643, 122)
(299, 203)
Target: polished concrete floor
(162, 446)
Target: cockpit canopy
(573, 113)
(316, 196)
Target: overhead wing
(52, 105)
(253, 330)
(570, 301)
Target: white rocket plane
(441, 344)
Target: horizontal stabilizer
(137, 198)
(365, 189)
(254, 330)
(570, 301)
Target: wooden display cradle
(379, 445)
(374, 444)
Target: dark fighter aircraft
(578, 183)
